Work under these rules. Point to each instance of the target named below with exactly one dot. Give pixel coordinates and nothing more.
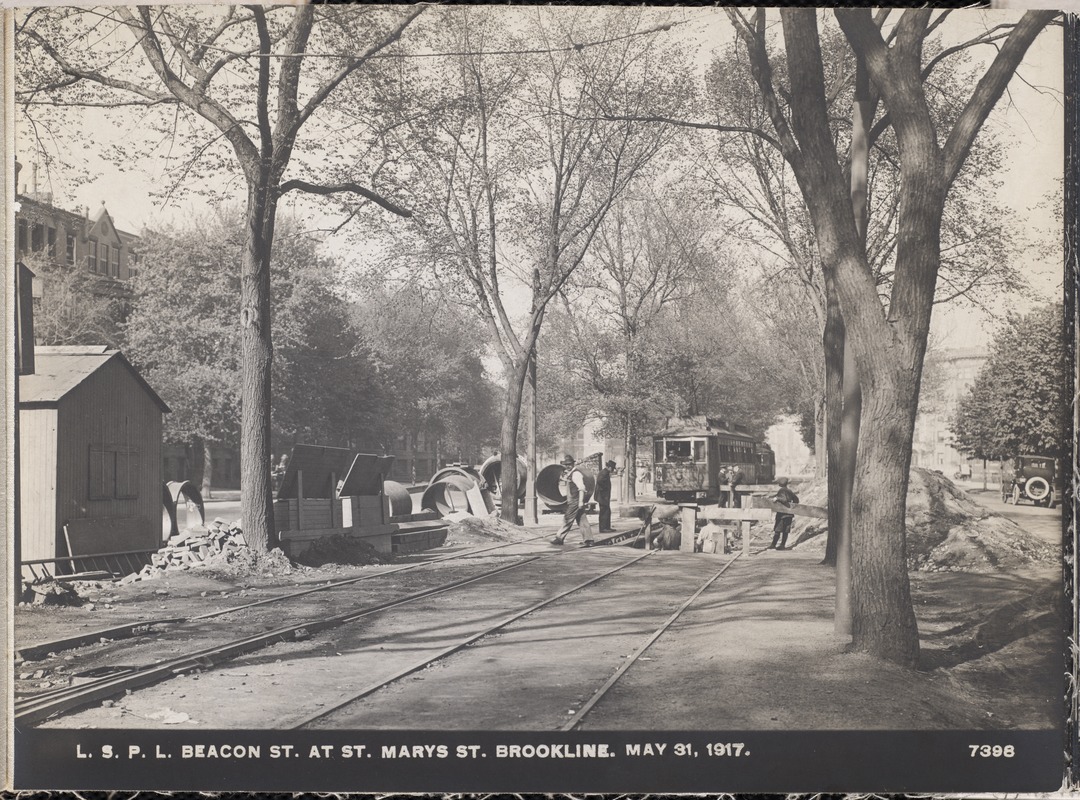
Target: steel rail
(46, 704)
(401, 673)
(599, 693)
(144, 627)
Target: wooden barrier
(744, 516)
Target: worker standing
(574, 481)
(602, 495)
(782, 527)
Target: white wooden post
(744, 525)
(688, 523)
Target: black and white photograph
(442, 398)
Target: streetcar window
(678, 451)
(699, 451)
(658, 450)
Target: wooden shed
(90, 456)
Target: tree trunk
(631, 462)
(208, 471)
(883, 621)
(833, 339)
(256, 353)
(508, 440)
(531, 513)
(821, 455)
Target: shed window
(113, 472)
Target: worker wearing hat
(602, 495)
(575, 493)
(782, 527)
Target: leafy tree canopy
(1019, 400)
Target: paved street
(1042, 522)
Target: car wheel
(1016, 495)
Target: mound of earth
(340, 550)
(467, 529)
(946, 529)
(240, 562)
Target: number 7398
(992, 751)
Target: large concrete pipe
(491, 470)
(448, 494)
(549, 491)
(465, 472)
(193, 502)
(400, 499)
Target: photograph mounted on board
(541, 399)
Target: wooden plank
(476, 501)
(366, 474)
(727, 514)
(799, 509)
(317, 463)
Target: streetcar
(689, 452)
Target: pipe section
(400, 499)
(490, 472)
(549, 491)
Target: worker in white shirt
(575, 492)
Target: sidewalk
(757, 651)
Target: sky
(1031, 113)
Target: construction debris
(192, 547)
(48, 592)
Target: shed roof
(58, 370)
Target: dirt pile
(49, 593)
(467, 529)
(946, 530)
(243, 561)
(340, 550)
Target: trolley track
(45, 704)
(153, 626)
(472, 652)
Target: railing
(116, 564)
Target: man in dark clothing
(602, 495)
(782, 527)
(573, 482)
(735, 477)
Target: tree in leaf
(427, 351)
(237, 91)
(182, 335)
(510, 169)
(75, 307)
(1019, 402)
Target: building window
(103, 258)
(116, 262)
(22, 236)
(113, 472)
(91, 255)
(37, 237)
(50, 241)
(70, 245)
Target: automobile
(1034, 478)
